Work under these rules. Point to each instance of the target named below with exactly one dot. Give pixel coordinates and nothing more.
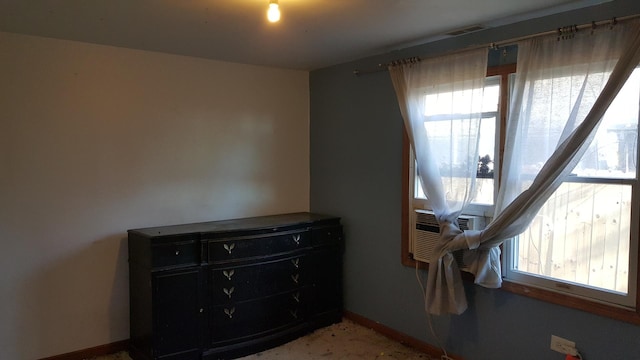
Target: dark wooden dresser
(225, 289)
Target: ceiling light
(273, 14)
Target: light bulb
(273, 14)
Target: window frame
(572, 301)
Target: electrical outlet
(563, 346)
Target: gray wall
(356, 137)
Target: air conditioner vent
(466, 30)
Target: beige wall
(95, 140)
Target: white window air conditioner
(426, 232)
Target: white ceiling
(311, 34)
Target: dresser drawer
(256, 280)
(247, 247)
(179, 253)
(257, 317)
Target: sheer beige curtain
(593, 67)
(441, 101)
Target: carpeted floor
(345, 340)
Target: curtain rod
(565, 32)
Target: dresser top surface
(252, 223)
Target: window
(483, 200)
(581, 240)
(581, 249)
(493, 119)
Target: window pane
(485, 174)
(581, 235)
(486, 148)
(613, 151)
(447, 114)
(612, 154)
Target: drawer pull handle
(228, 292)
(295, 278)
(296, 297)
(296, 239)
(229, 248)
(230, 312)
(177, 252)
(228, 274)
(296, 263)
(294, 313)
